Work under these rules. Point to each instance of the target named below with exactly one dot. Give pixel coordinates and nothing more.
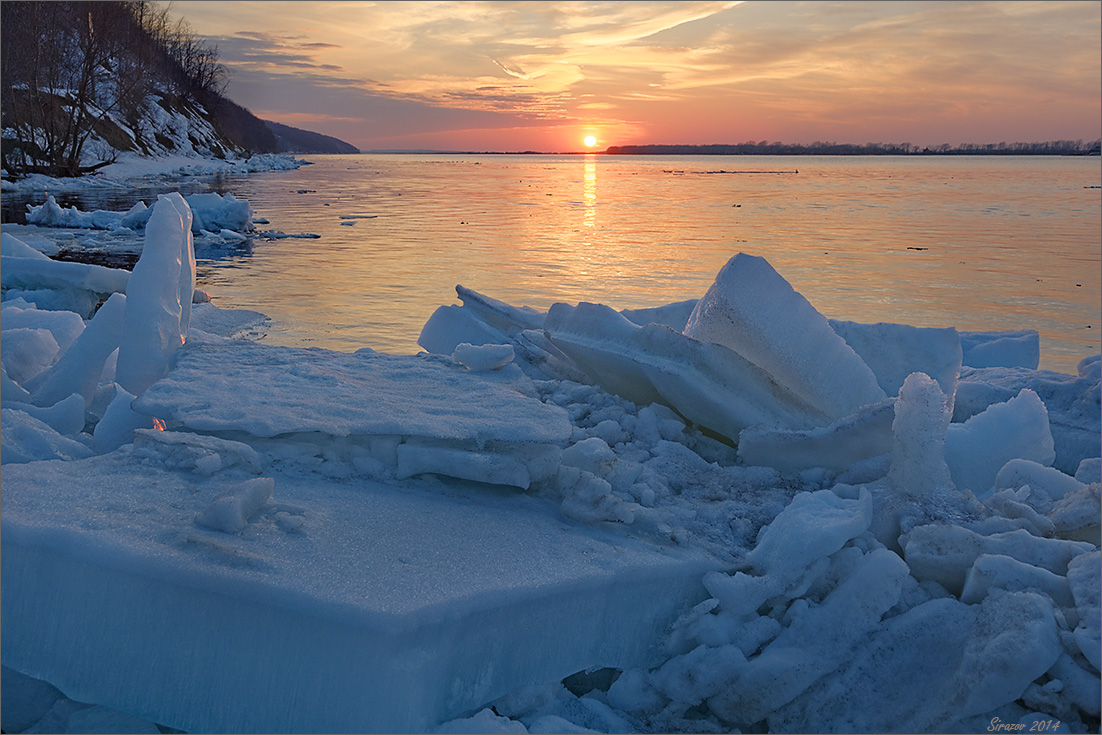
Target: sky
(543, 76)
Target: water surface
(970, 242)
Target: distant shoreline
(1051, 148)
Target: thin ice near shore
(681, 501)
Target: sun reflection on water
(589, 192)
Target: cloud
(647, 65)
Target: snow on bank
(717, 515)
(132, 169)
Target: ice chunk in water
(159, 296)
(753, 311)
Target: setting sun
(590, 141)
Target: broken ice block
(753, 311)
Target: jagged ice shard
(756, 313)
(159, 294)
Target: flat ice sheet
(353, 607)
(266, 391)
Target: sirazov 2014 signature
(1036, 726)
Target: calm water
(976, 243)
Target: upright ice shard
(159, 295)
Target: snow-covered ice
(723, 514)
(339, 607)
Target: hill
(82, 82)
(296, 140)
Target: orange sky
(543, 75)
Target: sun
(590, 141)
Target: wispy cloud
(754, 68)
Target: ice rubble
(907, 540)
(209, 211)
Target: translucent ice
(483, 357)
(706, 383)
(27, 352)
(159, 296)
(79, 369)
(1009, 348)
(65, 326)
(894, 351)
(753, 311)
(977, 449)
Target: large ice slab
(706, 383)
(266, 391)
(752, 310)
(338, 608)
(1073, 403)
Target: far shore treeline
(763, 148)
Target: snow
(268, 391)
(287, 626)
(231, 511)
(483, 357)
(671, 519)
(131, 169)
